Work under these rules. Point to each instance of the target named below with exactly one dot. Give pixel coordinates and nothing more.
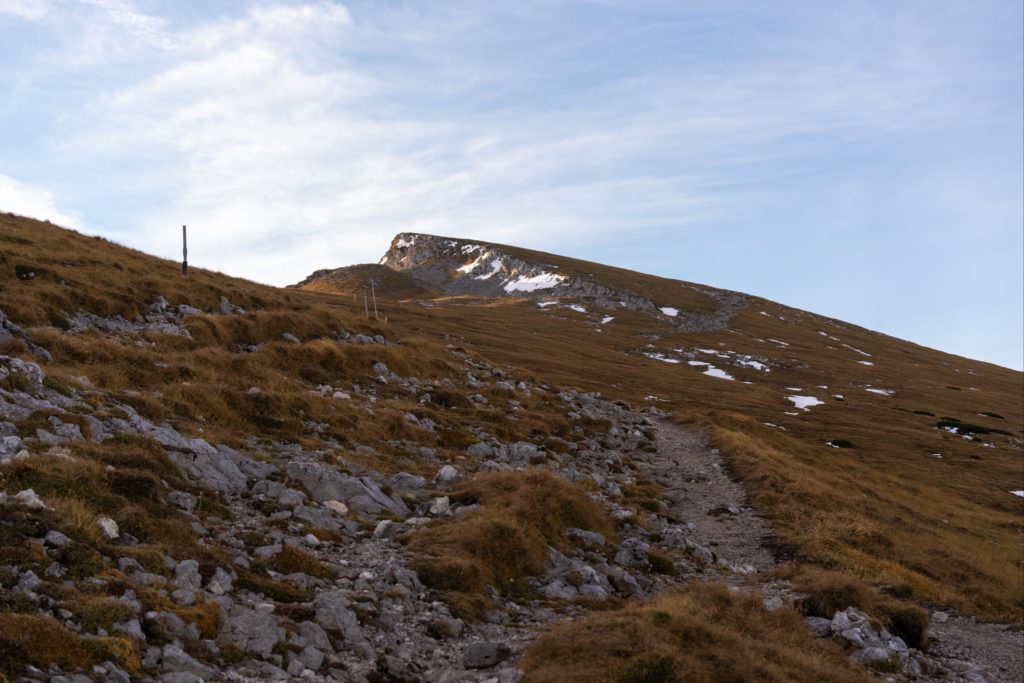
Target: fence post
(184, 252)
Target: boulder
(333, 614)
(253, 631)
(484, 655)
(361, 494)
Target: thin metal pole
(184, 252)
(365, 306)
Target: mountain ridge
(210, 476)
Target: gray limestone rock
(484, 655)
(362, 494)
(254, 631)
(333, 614)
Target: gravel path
(995, 648)
(697, 489)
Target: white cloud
(34, 202)
(31, 10)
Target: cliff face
(463, 267)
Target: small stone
(819, 626)
(439, 506)
(291, 497)
(56, 539)
(337, 507)
(484, 655)
(870, 656)
(289, 337)
(108, 528)
(183, 501)
(30, 499)
(446, 476)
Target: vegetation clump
(704, 632)
(506, 540)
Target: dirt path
(697, 489)
(997, 650)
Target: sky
(859, 159)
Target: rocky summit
(490, 464)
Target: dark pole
(184, 252)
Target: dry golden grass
(704, 633)
(944, 531)
(828, 592)
(33, 640)
(885, 510)
(506, 540)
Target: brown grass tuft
(506, 540)
(703, 633)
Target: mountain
(515, 465)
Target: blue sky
(858, 159)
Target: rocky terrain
(145, 544)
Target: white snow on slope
(402, 244)
(495, 267)
(669, 311)
(882, 392)
(661, 357)
(470, 248)
(863, 353)
(865, 362)
(545, 304)
(805, 402)
(607, 319)
(577, 308)
(720, 374)
(531, 284)
(468, 268)
(1018, 493)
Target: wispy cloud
(35, 202)
(295, 135)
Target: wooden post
(184, 252)
(373, 293)
(366, 307)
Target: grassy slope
(945, 531)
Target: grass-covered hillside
(206, 478)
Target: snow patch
(1019, 494)
(495, 267)
(669, 311)
(865, 362)
(577, 308)
(607, 319)
(805, 402)
(720, 374)
(881, 392)
(663, 358)
(531, 284)
(402, 243)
